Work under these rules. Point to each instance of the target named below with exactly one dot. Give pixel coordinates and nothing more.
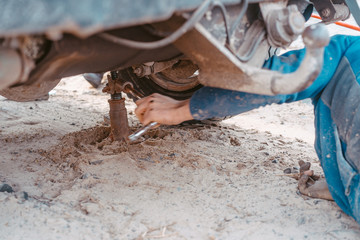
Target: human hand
(162, 109)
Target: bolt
(325, 12)
(138, 71)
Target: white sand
(217, 182)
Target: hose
(195, 17)
(356, 28)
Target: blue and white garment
(336, 98)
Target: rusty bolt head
(138, 71)
(325, 12)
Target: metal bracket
(332, 10)
(325, 9)
(220, 68)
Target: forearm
(162, 109)
(210, 102)
(183, 112)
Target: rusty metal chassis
(220, 66)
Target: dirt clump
(72, 144)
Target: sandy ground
(219, 181)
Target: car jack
(118, 115)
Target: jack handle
(128, 88)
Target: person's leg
(337, 121)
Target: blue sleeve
(210, 102)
